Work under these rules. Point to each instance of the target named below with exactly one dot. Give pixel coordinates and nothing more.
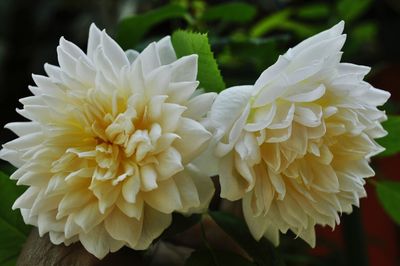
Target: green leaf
(230, 12)
(132, 29)
(389, 196)
(270, 23)
(13, 230)
(350, 10)
(262, 251)
(391, 141)
(187, 43)
(313, 11)
(202, 257)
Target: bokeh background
(245, 40)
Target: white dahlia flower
(296, 145)
(107, 153)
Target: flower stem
(354, 237)
(207, 245)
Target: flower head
(296, 145)
(107, 151)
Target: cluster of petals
(296, 145)
(107, 152)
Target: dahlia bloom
(108, 149)
(295, 146)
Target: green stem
(354, 238)
(207, 245)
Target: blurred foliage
(132, 29)
(391, 141)
(389, 195)
(13, 230)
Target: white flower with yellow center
(107, 153)
(296, 145)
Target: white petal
(184, 69)
(113, 52)
(199, 106)
(165, 51)
(308, 96)
(327, 34)
(93, 41)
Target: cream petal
(272, 234)
(233, 185)
(133, 210)
(204, 186)
(308, 235)
(193, 139)
(154, 224)
(283, 117)
(56, 237)
(71, 229)
(207, 161)
(148, 175)
(187, 191)
(47, 223)
(229, 105)
(89, 217)
(25, 201)
(257, 224)
(170, 163)
(278, 183)
(96, 241)
(165, 198)
(123, 228)
(130, 188)
(171, 116)
(261, 118)
(246, 171)
(74, 200)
